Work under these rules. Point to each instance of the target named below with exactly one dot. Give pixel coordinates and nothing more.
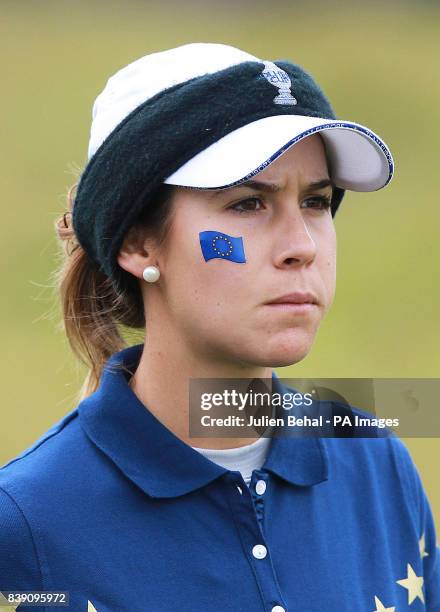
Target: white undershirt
(244, 459)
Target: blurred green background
(378, 63)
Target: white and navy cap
(207, 116)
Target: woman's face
(219, 307)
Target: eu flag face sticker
(222, 246)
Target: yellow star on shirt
(90, 607)
(423, 552)
(6, 605)
(380, 607)
(413, 583)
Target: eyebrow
(274, 187)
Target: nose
(294, 241)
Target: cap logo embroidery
(279, 78)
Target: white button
(260, 488)
(259, 551)
(239, 488)
(278, 609)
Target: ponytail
(94, 311)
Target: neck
(161, 383)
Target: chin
(286, 351)
(280, 361)
(272, 350)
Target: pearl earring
(151, 274)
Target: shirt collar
(159, 462)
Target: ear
(135, 253)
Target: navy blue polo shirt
(112, 507)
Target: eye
(244, 203)
(319, 202)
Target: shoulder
(379, 453)
(372, 454)
(382, 473)
(20, 567)
(61, 464)
(19, 563)
(38, 462)
(29, 481)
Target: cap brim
(358, 159)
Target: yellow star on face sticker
(413, 583)
(380, 607)
(423, 552)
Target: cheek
(327, 264)
(206, 288)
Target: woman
(198, 155)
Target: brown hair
(94, 311)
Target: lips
(298, 297)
